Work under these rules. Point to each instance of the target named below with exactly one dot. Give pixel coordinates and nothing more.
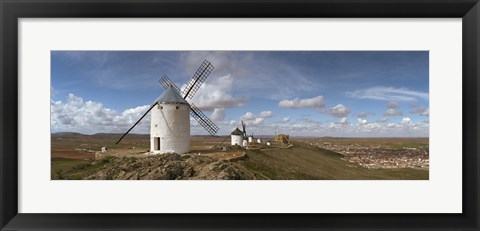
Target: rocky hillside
(165, 167)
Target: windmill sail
(198, 78)
(244, 132)
(138, 121)
(203, 120)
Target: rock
(168, 167)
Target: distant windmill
(170, 123)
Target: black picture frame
(11, 11)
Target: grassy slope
(75, 169)
(60, 166)
(304, 162)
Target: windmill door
(157, 143)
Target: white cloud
(76, 115)
(392, 112)
(285, 120)
(130, 116)
(407, 127)
(420, 110)
(258, 121)
(392, 125)
(392, 109)
(372, 126)
(382, 120)
(251, 119)
(248, 116)
(388, 94)
(365, 126)
(343, 120)
(218, 114)
(315, 102)
(336, 125)
(362, 121)
(217, 94)
(338, 111)
(407, 121)
(266, 114)
(341, 123)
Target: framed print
(288, 115)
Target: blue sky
(311, 93)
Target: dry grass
(306, 162)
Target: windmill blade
(153, 105)
(202, 73)
(203, 120)
(166, 82)
(244, 132)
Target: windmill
(170, 123)
(237, 137)
(246, 137)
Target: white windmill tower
(170, 124)
(237, 137)
(170, 120)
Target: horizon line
(373, 137)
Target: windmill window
(161, 107)
(177, 107)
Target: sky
(301, 93)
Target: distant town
(384, 155)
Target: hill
(309, 162)
(300, 162)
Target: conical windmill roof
(237, 132)
(171, 96)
